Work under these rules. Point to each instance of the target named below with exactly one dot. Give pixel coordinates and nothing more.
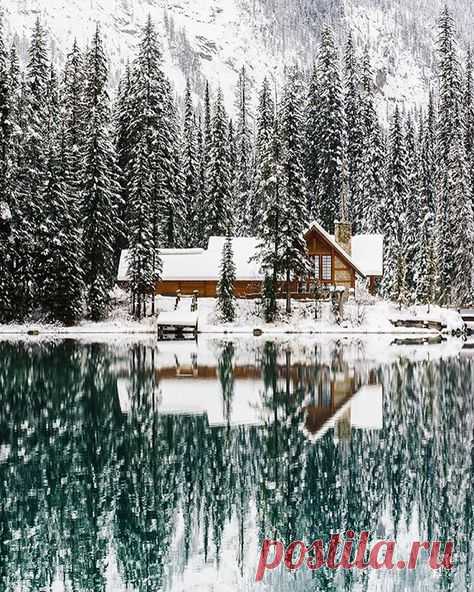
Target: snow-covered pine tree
(7, 280)
(457, 264)
(5, 119)
(192, 197)
(154, 115)
(144, 259)
(62, 289)
(330, 131)
(354, 129)
(468, 114)
(37, 75)
(412, 206)
(312, 140)
(393, 212)
(270, 192)
(171, 180)
(199, 222)
(72, 111)
(101, 190)
(450, 90)
(263, 151)
(29, 163)
(295, 220)
(225, 289)
(426, 272)
(428, 156)
(244, 145)
(219, 199)
(17, 275)
(232, 158)
(450, 126)
(207, 124)
(369, 192)
(123, 116)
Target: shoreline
(248, 333)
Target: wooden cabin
(335, 261)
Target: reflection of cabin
(184, 387)
(335, 261)
(343, 400)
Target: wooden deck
(177, 325)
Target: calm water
(163, 466)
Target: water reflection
(162, 467)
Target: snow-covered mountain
(214, 38)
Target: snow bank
(372, 317)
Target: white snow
(367, 253)
(178, 318)
(370, 317)
(200, 264)
(5, 212)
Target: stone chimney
(343, 236)
(343, 228)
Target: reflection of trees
(80, 478)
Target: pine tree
(330, 130)
(153, 114)
(468, 115)
(72, 111)
(449, 84)
(243, 181)
(411, 208)
(312, 142)
(354, 128)
(426, 273)
(219, 205)
(6, 243)
(393, 212)
(428, 156)
(369, 192)
(458, 257)
(294, 259)
(101, 191)
(263, 152)
(192, 197)
(63, 285)
(225, 288)
(144, 259)
(270, 192)
(124, 115)
(232, 159)
(199, 222)
(450, 125)
(5, 119)
(170, 174)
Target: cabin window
(322, 267)
(316, 267)
(326, 267)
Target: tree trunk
(288, 296)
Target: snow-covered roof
(204, 264)
(200, 264)
(367, 252)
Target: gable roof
(367, 250)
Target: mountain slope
(214, 38)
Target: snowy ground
(371, 317)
